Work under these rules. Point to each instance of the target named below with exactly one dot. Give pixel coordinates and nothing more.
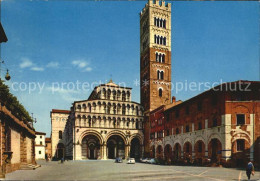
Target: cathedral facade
(105, 126)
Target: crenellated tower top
(158, 4)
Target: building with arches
(218, 126)
(105, 126)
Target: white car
(131, 160)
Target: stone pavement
(108, 170)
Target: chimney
(173, 99)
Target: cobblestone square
(108, 170)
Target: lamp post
(33, 120)
(3, 38)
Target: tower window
(163, 58)
(160, 75)
(161, 23)
(160, 57)
(160, 92)
(240, 119)
(164, 41)
(60, 134)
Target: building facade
(48, 148)
(40, 146)
(105, 126)
(218, 126)
(224, 130)
(59, 120)
(16, 130)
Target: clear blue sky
(62, 41)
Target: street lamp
(33, 120)
(7, 75)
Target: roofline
(60, 111)
(157, 109)
(107, 99)
(212, 89)
(39, 133)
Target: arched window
(158, 21)
(160, 57)
(158, 74)
(154, 21)
(60, 134)
(161, 23)
(157, 57)
(155, 37)
(136, 125)
(164, 41)
(89, 121)
(123, 96)
(164, 23)
(163, 58)
(162, 75)
(158, 39)
(161, 40)
(160, 92)
(123, 109)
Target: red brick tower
(155, 58)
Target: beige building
(48, 147)
(40, 146)
(59, 119)
(106, 125)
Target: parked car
(143, 160)
(119, 160)
(131, 161)
(152, 161)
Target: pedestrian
(250, 169)
(62, 160)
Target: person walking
(250, 170)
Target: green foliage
(10, 101)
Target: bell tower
(155, 53)
(155, 59)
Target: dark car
(118, 160)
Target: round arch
(214, 150)
(199, 148)
(117, 133)
(214, 136)
(168, 152)
(138, 136)
(159, 151)
(93, 132)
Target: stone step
(25, 166)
